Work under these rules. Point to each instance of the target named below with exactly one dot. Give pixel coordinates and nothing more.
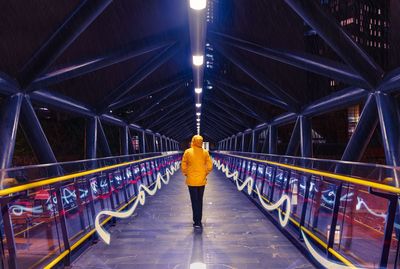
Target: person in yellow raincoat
(196, 165)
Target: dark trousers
(196, 196)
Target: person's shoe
(197, 225)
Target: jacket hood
(197, 141)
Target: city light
(198, 90)
(198, 60)
(198, 4)
(198, 105)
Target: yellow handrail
(49, 181)
(358, 181)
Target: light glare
(198, 120)
(198, 265)
(198, 60)
(198, 113)
(198, 4)
(198, 90)
(198, 105)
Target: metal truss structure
(369, 84)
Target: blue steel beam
(243, 89)
(336, 37)
(91, 137)
(156, 103)
(92, 64)
(103, 142)
(362, 134)
(147, 69)
(218, 121)
(35, 134)
(170, 119)
(268, 85)
(7, 85)
(219, 124)
(10, 112)
(241, 103)
(86, 12)
(294, 141)
(125, 140)
(175, 107)
(335, 101)
(177, 120)
(284, 119)
(391, 82)
(306, 149)
(389, 119)
(305, 61)
(130, 99)
(225, 117)
(211, 129)
(59, 101)
(226, 109)
(181, 128)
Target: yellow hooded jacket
(196, 163)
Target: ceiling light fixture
(198, 90)
(198, 60)
(198, 105)
(198, 4)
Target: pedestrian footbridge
(260, 211)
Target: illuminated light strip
(322, 260)
(84, 238)
(249, 183)
(141, 198)
(71, 176)
(358, 181)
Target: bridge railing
(347, 209)
(46, 220)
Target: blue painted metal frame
(9, 114)
(153, 64)
(336, 37)
(271, 87)
(92, 64)
(35, 134)
(79, 19)
(308, 62)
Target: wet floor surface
(160, 234)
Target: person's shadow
(197, 258)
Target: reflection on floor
(160, 235)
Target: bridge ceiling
(134, 61)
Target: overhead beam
(305, 61)
(218, 123)
(245, 90)
(134, 97)
(242, 104)
(7, 85)
(175, 106)
(157, 102)
(92, 64)
(336, 37)
(125, 87)
(234, 112)
(268, 85)
(178, 119)
(336, 101)
(78, 20)
(173, 118)
(224, 117)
